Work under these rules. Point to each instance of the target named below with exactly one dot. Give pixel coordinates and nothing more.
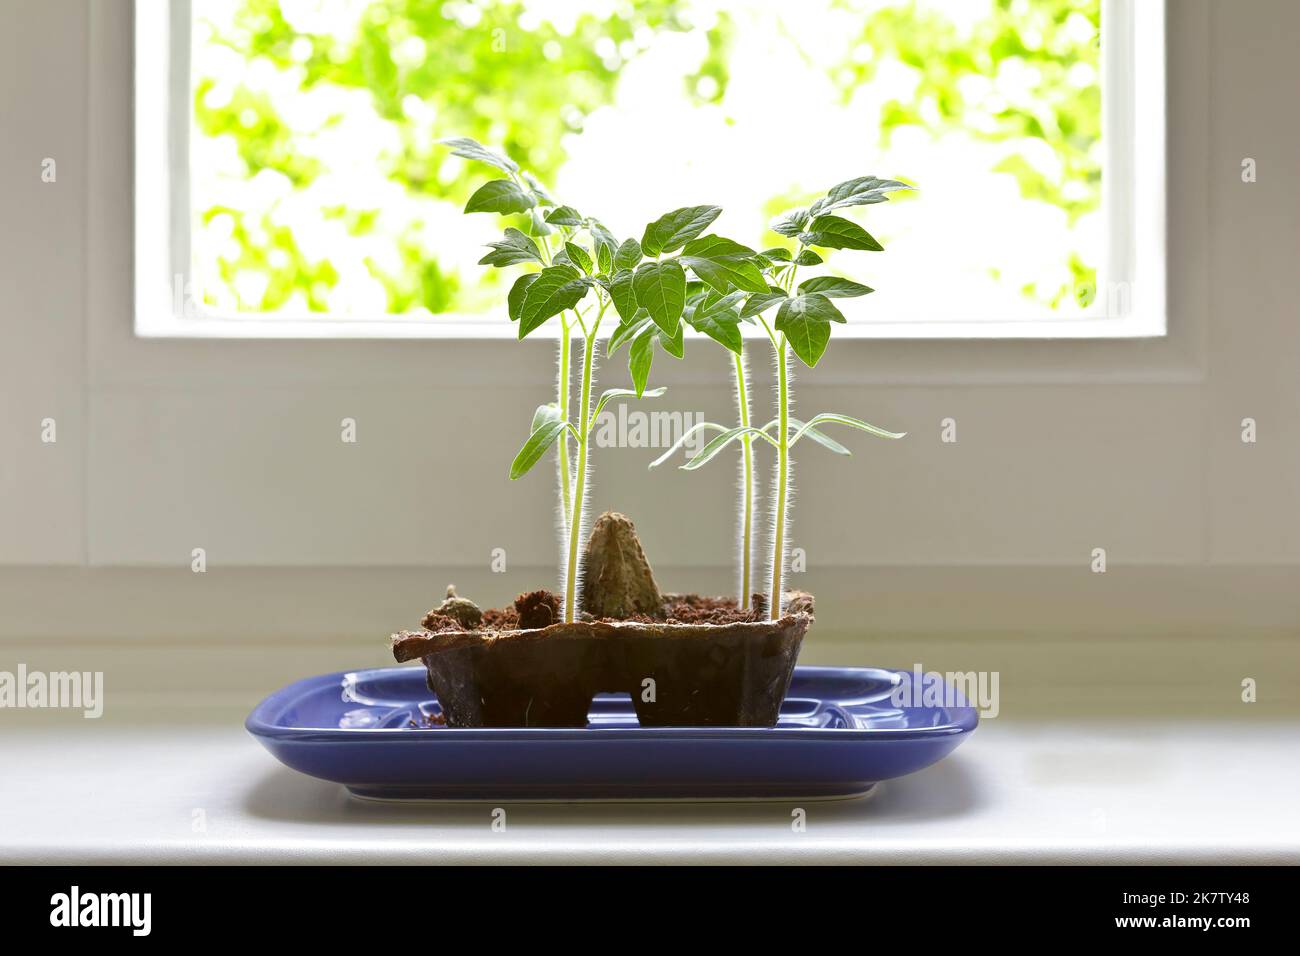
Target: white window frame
(1131, 282)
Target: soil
(493, 620)
(696, 609)
(428, 720)
(537, 609)
(541, 608)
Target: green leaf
(727, 334)
(716, 317)
(725, 275)
(467, 148)
(626, 331)
(578, 256)
(806, 322)
(820, 438)
(862, 191)
(808, 258)
(661, 290)
(834, 287)
(838, 419)
(512, 250)
(790, 223)
(602, 238)
(623, 295)
(760, 302)
(565, 216)
(536, 445)
(833, 232)
(816, 306)
(674, 229)
(639, 358)
(515, 301)
(545, 413)
(711, 450)
(539, 226)
(776, 254)
(500, 195)
(673, 343)
(612, 393)
(686, 436)
(628, 255)
(556, 288)
(543, 197)
(808, 338)
(717, 247)
(724, 264)
(604, 259)
(719, 306)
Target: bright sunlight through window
(316, 187)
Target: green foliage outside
(1050, 41)
(488, 71)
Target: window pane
(317, 185)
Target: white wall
(233, 446)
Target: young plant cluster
(677, 274)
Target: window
(289, 182)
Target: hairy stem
(782, 452)
(580, 476)
(782, 477)
(562, 396)
(564, 463)
(747, 481)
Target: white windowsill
(1060, 792)
(1150, 324)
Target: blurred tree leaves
(1021, 70)
(1053, 44)
(488, 70)
(496, 71)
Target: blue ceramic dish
(839, 734)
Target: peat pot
(678, 675)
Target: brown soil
(439, 623)
(500, 619)
(496, 619)
(537, 609)
(428, 720)
(697, 609)
(541, 608)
